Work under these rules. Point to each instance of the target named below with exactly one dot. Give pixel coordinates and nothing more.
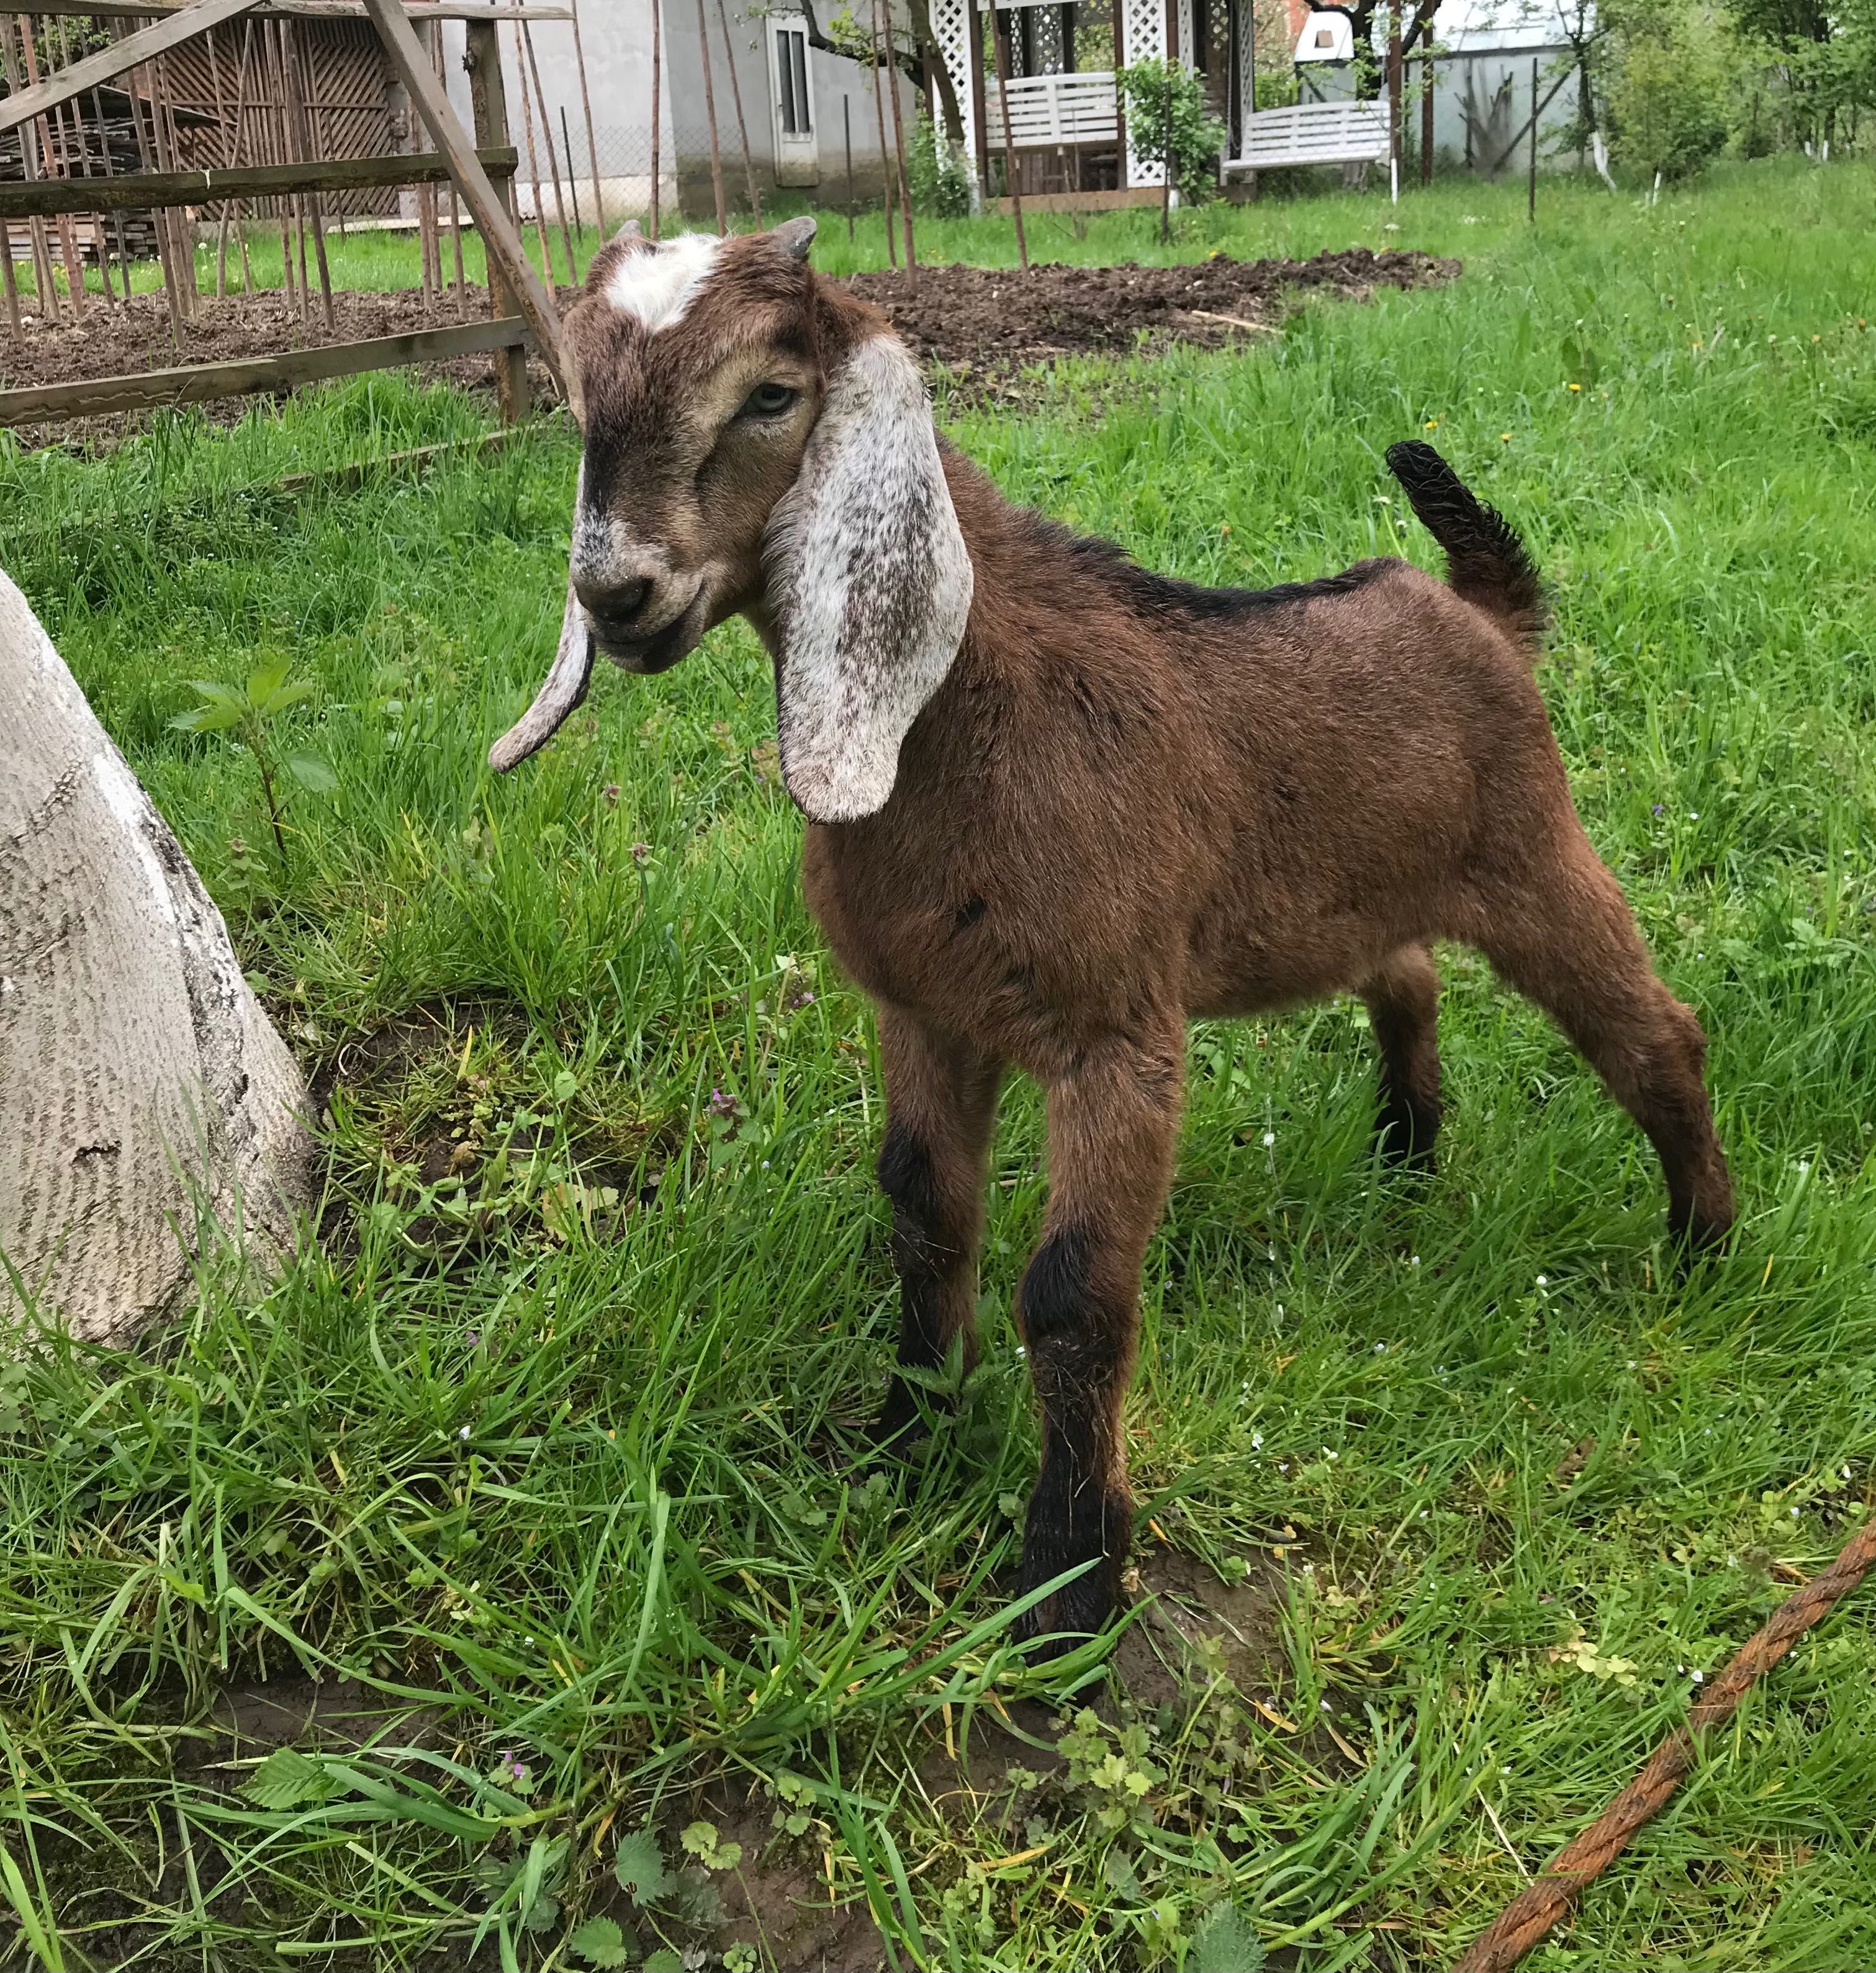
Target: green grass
(555, 1463)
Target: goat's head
(757, 442)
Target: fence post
(488, 99)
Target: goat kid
(1059, 806)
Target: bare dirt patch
(1000, 316)
(973, 320)
(137, 338)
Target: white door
(797, 159)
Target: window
(792, 74)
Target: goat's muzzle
(559, 696)
(622, 636)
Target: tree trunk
(143, 1093)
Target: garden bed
(1001, 316)
(964, 317)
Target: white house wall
(617, 37)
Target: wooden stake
(169, 148)
(73, 113)
(553, 163)
(846, 124)
(9, 280)
(72, 133)
(898, 145)
(586, 106)
(1167, 172)
(534, 162)
(458, 152)
(117, 219)
(573, 184)
(456, 203)
(709, 111)
(1427, 112)
(488, 101)
(267, 104)
(276, 88)
(886, 168)
(657, 55)
(1394, 76)
(429, 211)
(742, 128)
(240, 85)
(230, 208)
(1537, 110)
(145, 157)
(46, 291)
(424, 244)
(290, 137)
(227, 158)
(54, 169)
(1000, 49)
(303, 129)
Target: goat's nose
(617, 605)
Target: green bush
(940, 183)
(1166, 112)
(1669, 96)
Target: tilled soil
(1000, 316)
(982, 320)
(137, 337)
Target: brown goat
(1060, 806)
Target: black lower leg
(929, 1264)
(1402, 1001)
(1404, 1129)
(1080, 1515)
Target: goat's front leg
(1113, 1124)
(940, 1111)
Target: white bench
(1313, 133)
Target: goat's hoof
(905, 1417)
(1696, 1239)
(1405, 1138)
(1077, 1611)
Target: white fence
(1050, 110)
(1312, 133)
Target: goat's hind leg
(1564, 936)
(940, 1113)
(1402, 999)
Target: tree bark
(924, 38)
(145, 1098)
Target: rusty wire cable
(1549, 1895)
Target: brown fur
(1132, 803)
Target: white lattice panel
(1245, 95)
(951, 22)
(1143, 38)
(1187, 40)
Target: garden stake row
(1549, 1897)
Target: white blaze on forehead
(656, 284)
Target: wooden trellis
(234, 107)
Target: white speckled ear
(870, 583)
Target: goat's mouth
(661, 650)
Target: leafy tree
(1669, 91)
(1167, 119)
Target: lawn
(540, 1463)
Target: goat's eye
(769, 400)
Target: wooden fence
(228, 109)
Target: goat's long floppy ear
(870, 583)
(565, 685)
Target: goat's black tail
(1486, 563)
